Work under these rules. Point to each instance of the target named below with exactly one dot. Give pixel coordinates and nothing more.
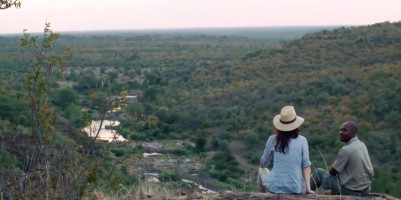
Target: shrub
(169, 176)
(125, 151)
(7, 161)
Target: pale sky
(81, 15)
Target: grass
(146, 189)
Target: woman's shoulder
(271, 138)
(301, 137)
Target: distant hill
(279, 32)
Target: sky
(89, 15)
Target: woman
(291, 165)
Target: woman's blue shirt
(286, 174)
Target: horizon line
(188, 28)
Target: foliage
(74, 114)
(386, 182)
(224, 167)
(63, 97)
(46, 164)
(8, 161)
(38, 81)
(14, 110)
(4, 4)
(200, 144)
(252, 157)
(125, 151)
(250, 140)
(169, 176)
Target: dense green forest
(217, 89)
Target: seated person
(352, 171)
(291, 165)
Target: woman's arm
(306, 173)
(306, 167)
(267, 153)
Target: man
(352, 171)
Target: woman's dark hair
(283, 139)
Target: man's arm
(340, 162)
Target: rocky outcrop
(260, 196)
(256, 196)
(197, 195)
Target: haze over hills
(219, 90)
(250, 32)
(227, 31)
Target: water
(104, 134)
(107, 134)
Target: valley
(203, 101)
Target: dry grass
(144, 189)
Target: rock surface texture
(256, 196)
(263, 196)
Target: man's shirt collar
(353, 140)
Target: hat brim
(287, 127)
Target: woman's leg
(262, 174)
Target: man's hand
(333, 171)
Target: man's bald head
(348, 130)
(352, 125)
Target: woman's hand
(306, 175)
(309, 191)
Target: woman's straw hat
(287, 120)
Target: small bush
(179, 152)
(169, 176)
(7, 161)
(140, 136)
(125, 151)
(252, 157)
